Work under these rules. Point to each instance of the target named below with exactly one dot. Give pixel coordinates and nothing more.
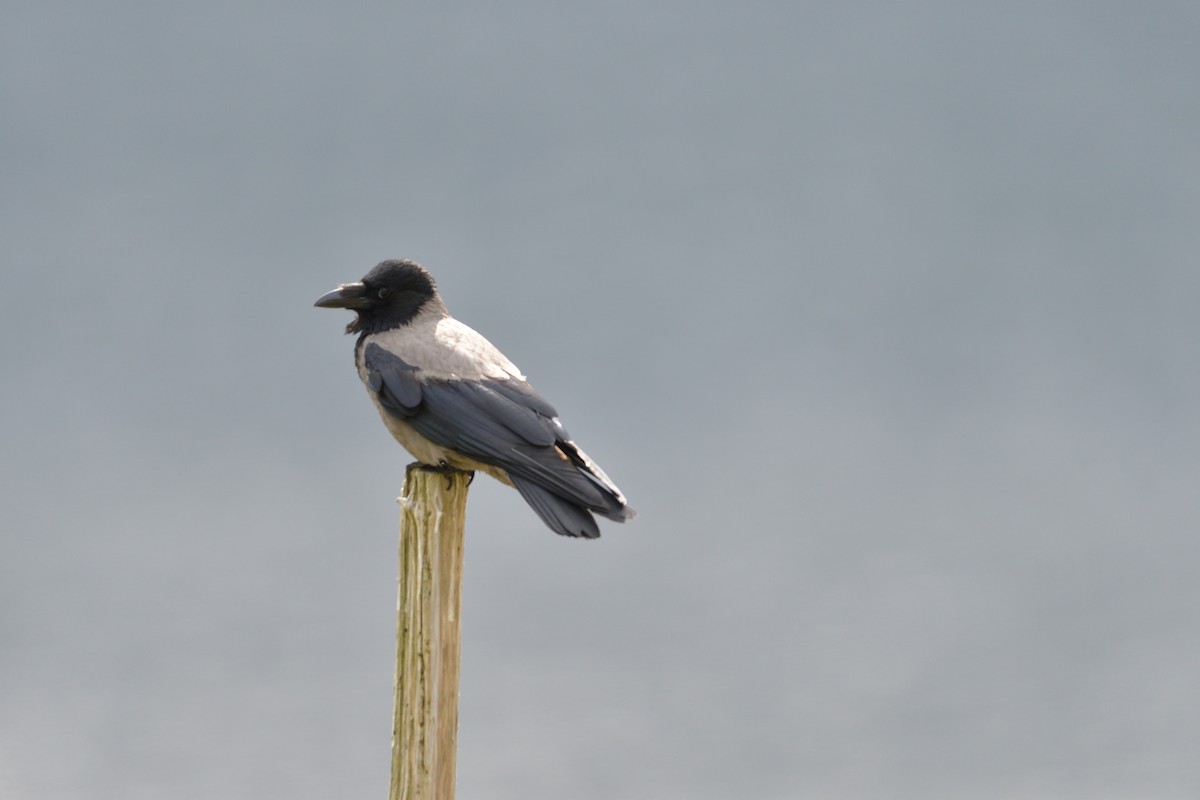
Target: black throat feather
(400, 310)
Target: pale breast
(441, 348)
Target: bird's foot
(442, 468)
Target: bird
(454, 401)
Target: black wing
(506, 424)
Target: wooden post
(425, 714)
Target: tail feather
(562, 516)
(614, 506)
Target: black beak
(348, 295)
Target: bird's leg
(445, 469)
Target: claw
(445, 469)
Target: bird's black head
(387, 297)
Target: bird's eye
(382, 294)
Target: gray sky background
(883, 315)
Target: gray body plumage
(451, 397)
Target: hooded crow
(452, 399)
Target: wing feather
(504, 423)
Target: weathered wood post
(428, 630)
